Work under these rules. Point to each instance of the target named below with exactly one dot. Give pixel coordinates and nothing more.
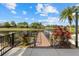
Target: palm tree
(67, 13)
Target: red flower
(61, 32)
(68, 34)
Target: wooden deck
(42, 41)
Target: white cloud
(24, 12)
(30, 6)
(50, 9)
(17, 17)
(43, 14)
(44, 9)
(10, 6)
(52, 21)
(2, 21)
(77, 5)
(12, 11)
(39, 7)
(32, 19)
(26, 18)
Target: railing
(35, 37)
(6, 43)
(32, 35)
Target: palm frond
(67, 13)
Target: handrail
(10, 39)
(24, 29)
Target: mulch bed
(64, 45)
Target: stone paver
(68, 52)
(42, 52)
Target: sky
(46, 13)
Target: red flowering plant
(67, 33)
(62, 33)
(57, 32)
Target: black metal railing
(27, 38)
(32, 37)
(6, 43)
(34, 34)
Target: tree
(13, 24)
(7, 24)
(36, 25)
(67, 13)
(23, 24)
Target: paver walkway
(42, 52)
(42, 41)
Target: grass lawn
(19, 29)
(29, 29)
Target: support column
(76, 30)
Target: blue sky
(33, 12)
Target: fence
(6, 43)
(29, 38)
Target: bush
(62, 34)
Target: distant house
(1, 25)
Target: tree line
(21, 25)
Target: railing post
(35, 39)
(12, 40)
(1, 47)
(34, 42)
(76, 28)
